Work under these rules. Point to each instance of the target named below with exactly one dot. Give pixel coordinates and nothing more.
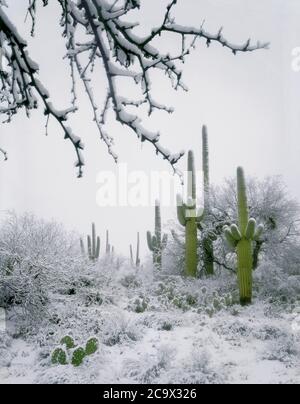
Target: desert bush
(37, 260)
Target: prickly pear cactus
(241, 238)
(68, 342)
(59, 357)
(189, 217)
(157, 242)
(78, 357)
(91, 346)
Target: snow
(179, 338)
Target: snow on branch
(112, 43)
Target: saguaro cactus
(190, 217)
(93, 245)
(157, 242)
(137, 261)
(208, 238)
(108, 248)
(241, 237)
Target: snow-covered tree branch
(111, 42)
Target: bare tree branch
(111, 41)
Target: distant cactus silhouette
(93, 245)
(137, 260)
(157, 242)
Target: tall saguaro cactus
(241, 237)
(208, 238)
(93, 245)
(108, 248)
(157, 242)
(137, 261)
(190, 217)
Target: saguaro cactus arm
(150, 241)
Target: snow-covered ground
(159, 329)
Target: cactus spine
(93, 245)
(207, 242)
(241, 237)
(189, 217)
(137, 262)
(157, 242)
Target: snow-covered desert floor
(158, 329)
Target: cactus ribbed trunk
(158, 252)
(208, 245)
(191, 257)
(157, 242)
(244, 247)
(242, 201)
(205, 168)
(242, 239)
(245, 265)
(188, 216)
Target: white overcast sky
(250, 104)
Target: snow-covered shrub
(200, 370)
(149, 367)
(5, 353)
(284, 349)
(37, 260)
(116, 329)
(276, 282)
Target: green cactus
(91, 346)
(137, 261)
(241, 238)
(93, 245)
(59, 357)
(108, 248)
(190, 217)
(208, 239)
(78, 357)
(157, 242)
(68, 342)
